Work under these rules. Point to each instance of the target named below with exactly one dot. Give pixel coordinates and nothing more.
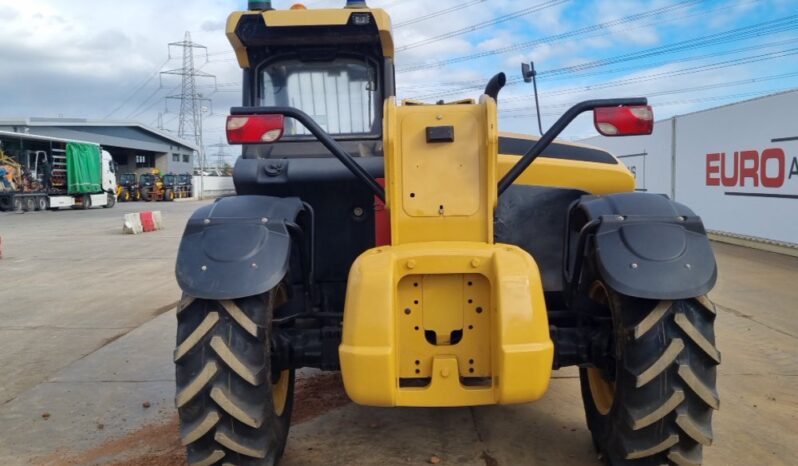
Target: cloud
(85, 58)
(213, 26)
(8, 13)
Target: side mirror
(624, 120)
(255, 129)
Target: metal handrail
(548, 137)
(328, 141)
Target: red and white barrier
(142, 222)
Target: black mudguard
(647, 246)
(238, 246)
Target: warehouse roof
(125, 134)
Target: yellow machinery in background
(153, 187)
(11, 173)
(128, 188)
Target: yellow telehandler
(430, 258)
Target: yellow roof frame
(309, 17)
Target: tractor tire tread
(195, 338)
(668, 378)
(207, 460)
(662, 363)
(235, 408)
(692, 332)
(251, 375)
(645, 420)
(243, 320)
(197, 384)
(652, 450)
(706, 393)
(652, 319)
(224, 395)
(191, 433)
(236, 443)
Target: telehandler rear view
(429, 258)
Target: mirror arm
(548, 137)
(327, 141)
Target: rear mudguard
(646, 245)
(238, 246)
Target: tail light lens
(624, 121)
(254, 129)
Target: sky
(98, 59)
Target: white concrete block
(132, 224)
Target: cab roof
(251, 29)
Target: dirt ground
(159, 444)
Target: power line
(137, 89)
(435, 14)
(681, 72)
(220, 154)
(481, 25)
(676, 60)
(668, 103)
(704, 87)
(720, 65)
(732, 35)
(560, 76)
(142, 109)
(741, 33)
(237, 87)
(601, 27)
(138, 110)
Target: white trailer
(34, 170)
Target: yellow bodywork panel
(591, 177)
(310, 17)
(450, 316)
(445, 324)
(232, 23)
(443, 316)
(441, 191)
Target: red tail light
(624, 121)
(254, 129)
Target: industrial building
(135, 147)
(736, 166)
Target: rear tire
(85, 202)
(16, 204)
(146, 194)
(656, 407)
(29, 204)
(232, 408)
(42, 203)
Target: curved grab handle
(547, 137)
(328, 141)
